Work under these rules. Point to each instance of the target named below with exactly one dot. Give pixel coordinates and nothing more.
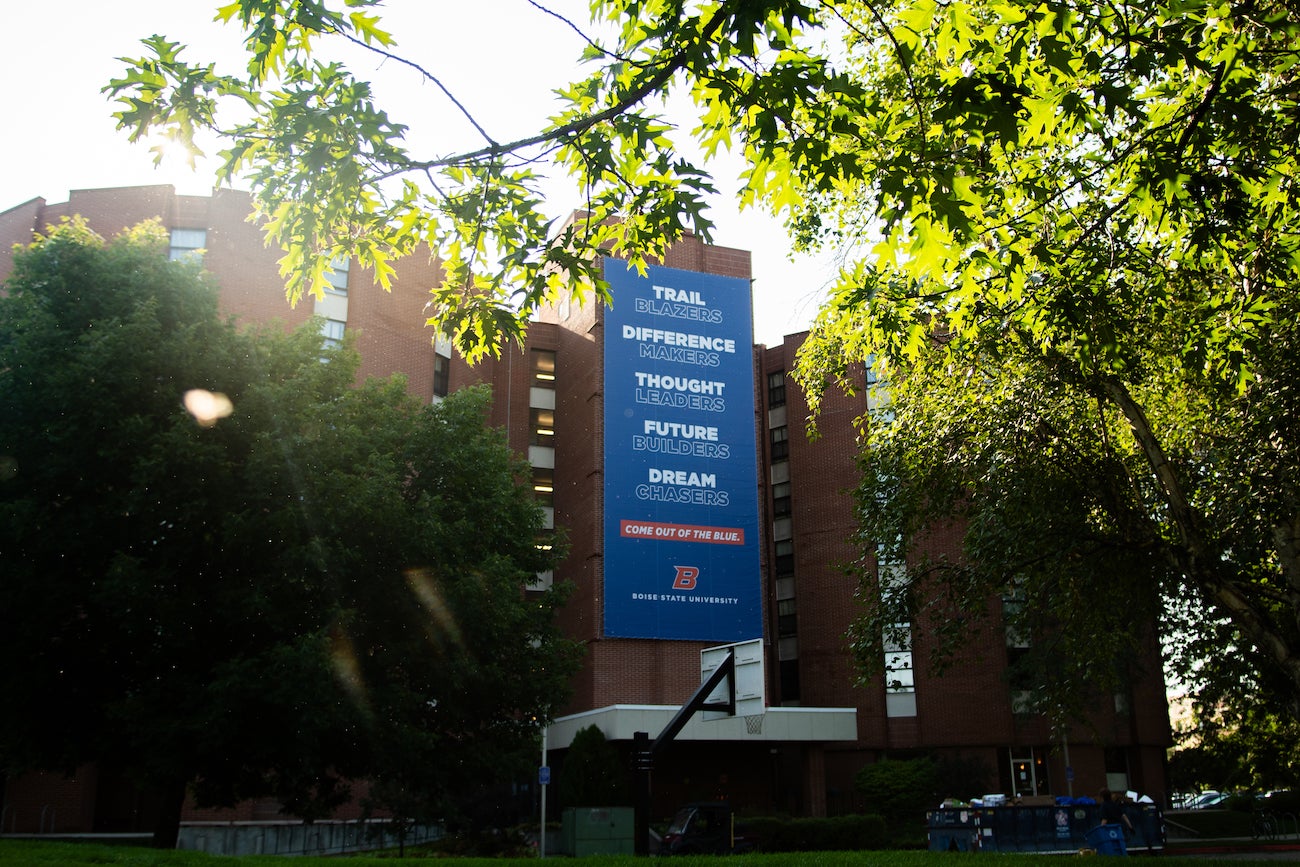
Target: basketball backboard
(747, 680)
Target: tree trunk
(1194, 557)
(168, 829)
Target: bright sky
(500, 58)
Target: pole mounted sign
(681, 481)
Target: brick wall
(16, 227)
(391, 335)
(45, 803)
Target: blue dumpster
(1064, 828)
(1148, 827)
(1107, 840)
(954, 830)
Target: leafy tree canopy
(332, 175)
(1226, 751)
(1238, 737)
(1080, 288)
(312, 584)
(1071, 247)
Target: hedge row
(839, 833)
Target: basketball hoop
(754, 724)
(740, 692)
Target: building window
(900, 684)
(543, 368)
(1020, 680)
(1117, 769)
(187, 244)
(544, 485)
(781, 499)
(544, 580)
(896, 639)
(776, 388)
(441, 375)
(782, 528)
(787, 653)
(878, 400)
(780, 439)
(441, 367)
(333, 329)
(1019, 674)
(1123, 704)
(785, 557)
(542, 427)
(898, 659)
(1013, 604)
(336, 276)
(786, 620)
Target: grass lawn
(26, 852)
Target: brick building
(557, 396)
(389, 325)
(799, 758)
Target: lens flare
(426, 592)
(207, 407)
(343, 659)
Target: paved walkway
(1237, 849)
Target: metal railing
(297, 838)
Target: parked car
(703, 829)
(1205, 800)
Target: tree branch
(1193, 556)
(388, 55)
(579, 125)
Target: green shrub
(1283, 802)
(592, 775)
(1241, 801)
(840, 833)
(900, 790)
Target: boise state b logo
(686, 577)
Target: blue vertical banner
(681, 481)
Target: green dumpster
(598, 831)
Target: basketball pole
(643, 751)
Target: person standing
(1112, 811)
